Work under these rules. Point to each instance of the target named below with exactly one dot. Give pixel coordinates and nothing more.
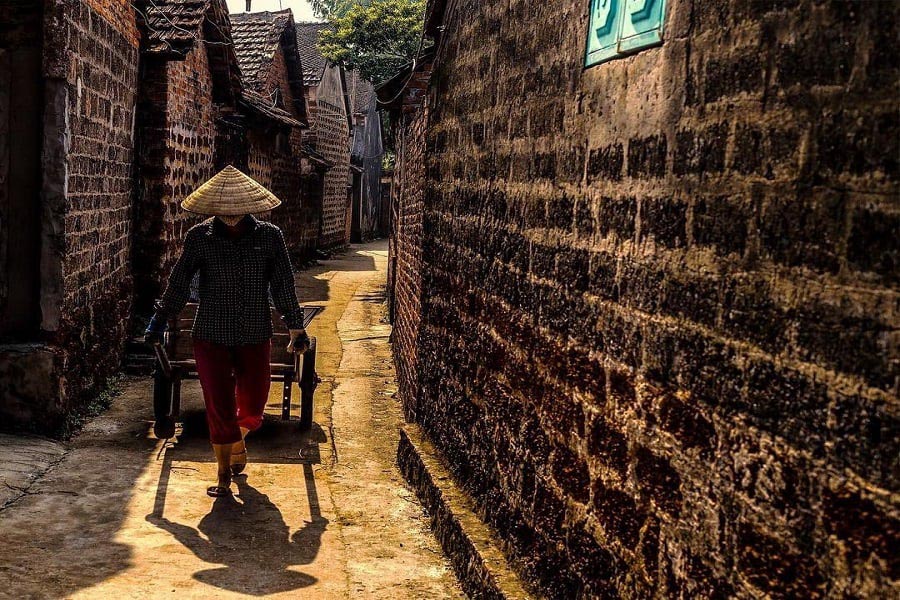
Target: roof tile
(256, 38)
(308, 44)
(173, 25)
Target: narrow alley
(631, 330)
(324, 514)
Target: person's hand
(299, 341)
(155, 330)
(153, 338)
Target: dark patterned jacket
(236, 275)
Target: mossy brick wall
(177, 153)
(97, 43)
(659, 304)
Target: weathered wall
(100, 85)
(406, 256)
(89, 65)
(281, 166)
(101, 105)
(658, 337)
(333, 142)
(176, 154)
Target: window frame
(623, 47)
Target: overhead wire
(412, 70)
(193, 35)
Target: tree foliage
(376, 37)
(329, 9)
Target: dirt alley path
(319, 515)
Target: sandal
(219, 490)
(238, 467)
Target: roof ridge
(263, 16)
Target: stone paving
(26, 458)
(325, 514)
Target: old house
(189, 126)
(266, 46)
(646, 292)
(366, 152)
(68, 85)
(329, 137)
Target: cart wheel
(164, 426)
(308, 383)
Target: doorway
(21, 101)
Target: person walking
(241, 262)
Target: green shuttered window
(621, 27)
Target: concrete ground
(325, 514)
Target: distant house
(329, 139)
(275, 105)
(188, 127)
(366, 152)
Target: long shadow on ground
(247, 533)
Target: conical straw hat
(230, 192)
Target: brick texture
(95, 257)
(406, 257)
(332, 142)
(331, 137)
(655, 333)
(177, 142)
(277, 165)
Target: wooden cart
(175, 363)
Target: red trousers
(235, 382)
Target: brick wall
(331, 135)
(281, 167)
(177, 153)
(659, 305)
(119, 15)
(102, 63)
(406, 256)
(332, 142)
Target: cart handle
(163, 358)
(298, 365)
(310, 311)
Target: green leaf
(375, 36)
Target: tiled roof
(256, 38)
(308, 45)
(173, 28)
(264, 108)
(173, 25)
(363, 90)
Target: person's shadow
(248, 535)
